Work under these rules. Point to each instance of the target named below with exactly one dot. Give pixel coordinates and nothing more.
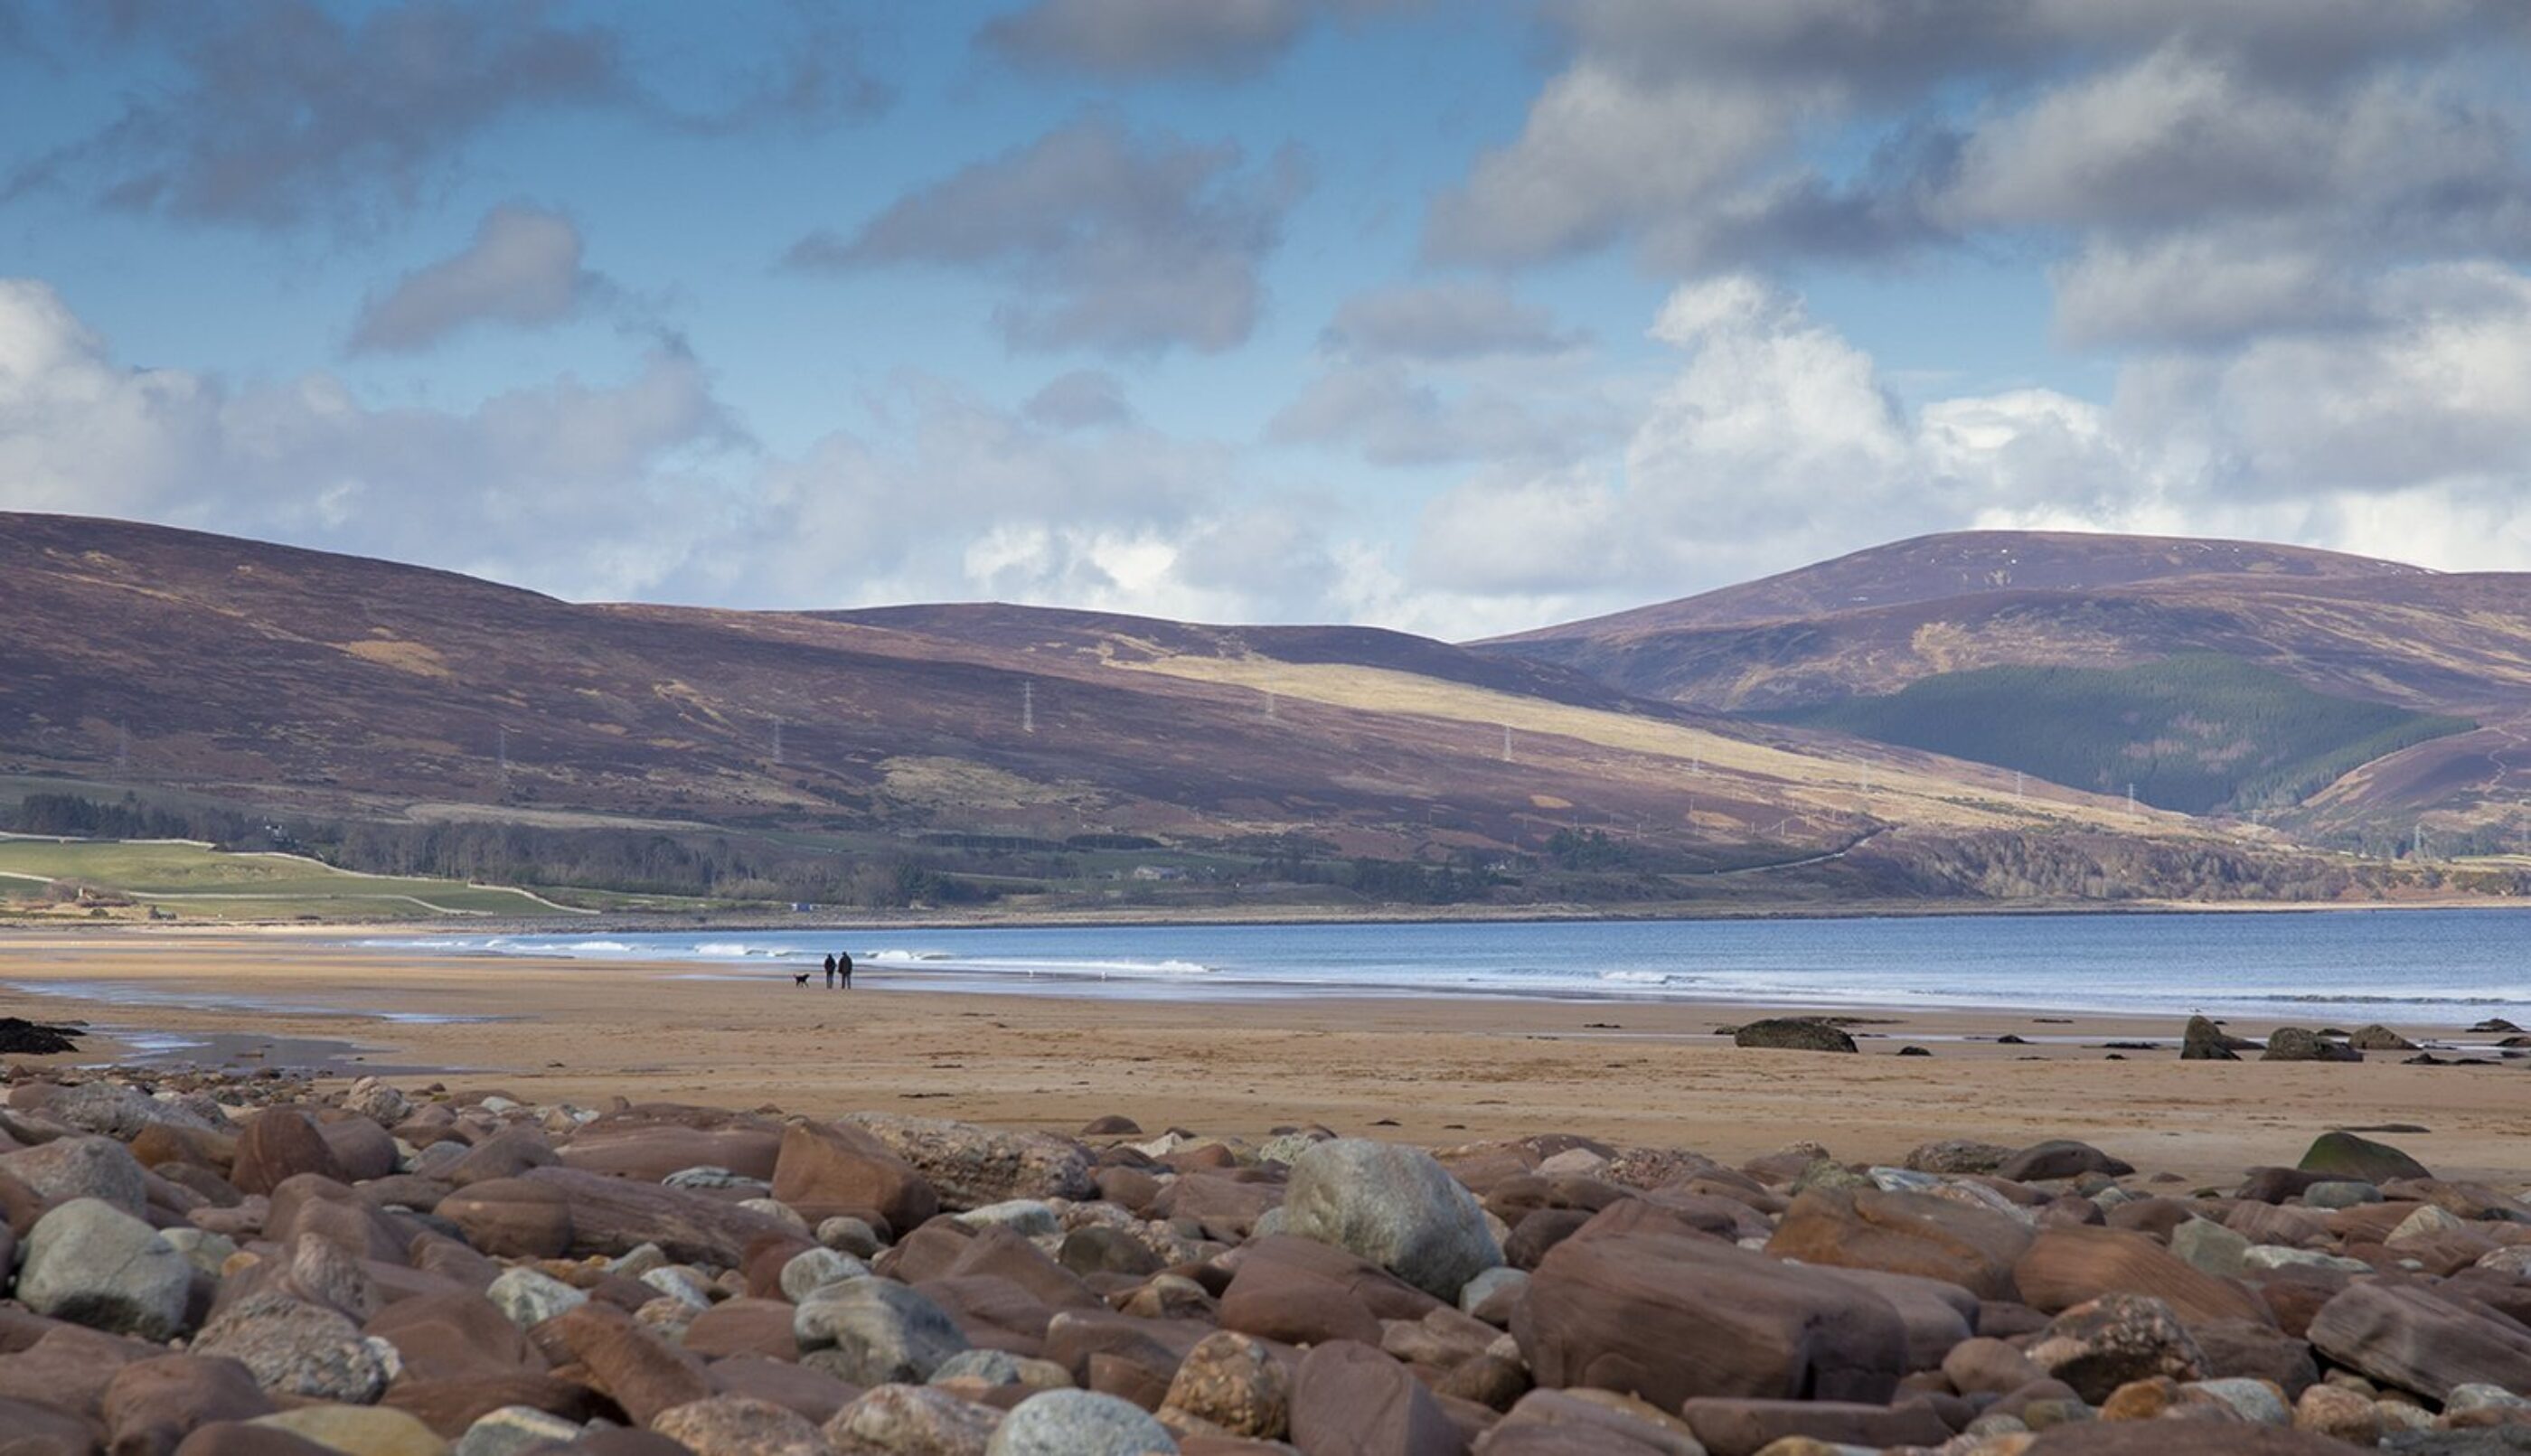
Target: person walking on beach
(844, 967)
(830, 973)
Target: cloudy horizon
(1458, 317)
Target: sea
(2340, 967)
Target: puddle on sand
(234, 1051)
(147, 993)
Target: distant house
(1158, 871)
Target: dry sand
(1441, 1070)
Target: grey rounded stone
(92, 1263)
(205, 1251)
(985, 1366)
(512, 1430)
(875, 1331)
(779, 1212)
(2340, 1193)
(120, 1112)
(1499, 1285)
(530, 1297)
(1080, 1423)
(846, 1234)
(2255, 1401)
(2265, 1257)
(1396, 1206)
(300, 1349)
(682, 1284)
(1028, 1217)
(69, 1169)
(813, 1270)
(912, 1421)
(739, 1425)
(2211, 1247)
(638, 1261)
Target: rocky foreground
(210, 1266)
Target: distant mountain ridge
(139, 653)
(1959, 564)
(309, 682)
(1882, 622)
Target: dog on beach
(799, 979)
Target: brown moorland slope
(2349, 627)
(138, 653)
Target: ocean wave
(906, 957)
(1003, 964)
(1645, 978)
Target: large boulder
(151, 1405)
(2411, 1336)
(113, 1110)
(2345, 1156)
(2102, 1344)
(1905, 1233)
(2059, 1157)
(1237, 1383)
(93, 1264)
(1349, 1399)
(2178, 1437)
(970, 1166)
(2067, 1265)
(85, 1167)
(281, 1143)
(1729, 1427)
(1669, 1317)
(511, 1219)
(871, 1331)
(1792, 1033)
(1396, 1206)
(611, 1216)
(294, 1348)
(912, 1421)
(829, 1172)
(2379, 1038)
(1080, 1423)
(2300, 1045)
(639, 1370)
(738, 1426)
(2205, 1042)
(647, 1143)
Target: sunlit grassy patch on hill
(193, 879)
(2195, 733)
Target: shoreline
(662, 923)
(1434, 1069)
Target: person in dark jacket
(830, 973)
(844, 968)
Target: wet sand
(1436, 1071)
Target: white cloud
(522, 267)
(1110, 241)
(641, 488)
(1449, 320)
(492, 489)
(2407, 434)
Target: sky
(1457, 316)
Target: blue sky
(1459, 315)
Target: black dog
(799, 979)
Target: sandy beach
(1425, 1069)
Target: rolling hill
(1843, 643)
(302, 682)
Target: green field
(2198, 733)
(196, 883)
